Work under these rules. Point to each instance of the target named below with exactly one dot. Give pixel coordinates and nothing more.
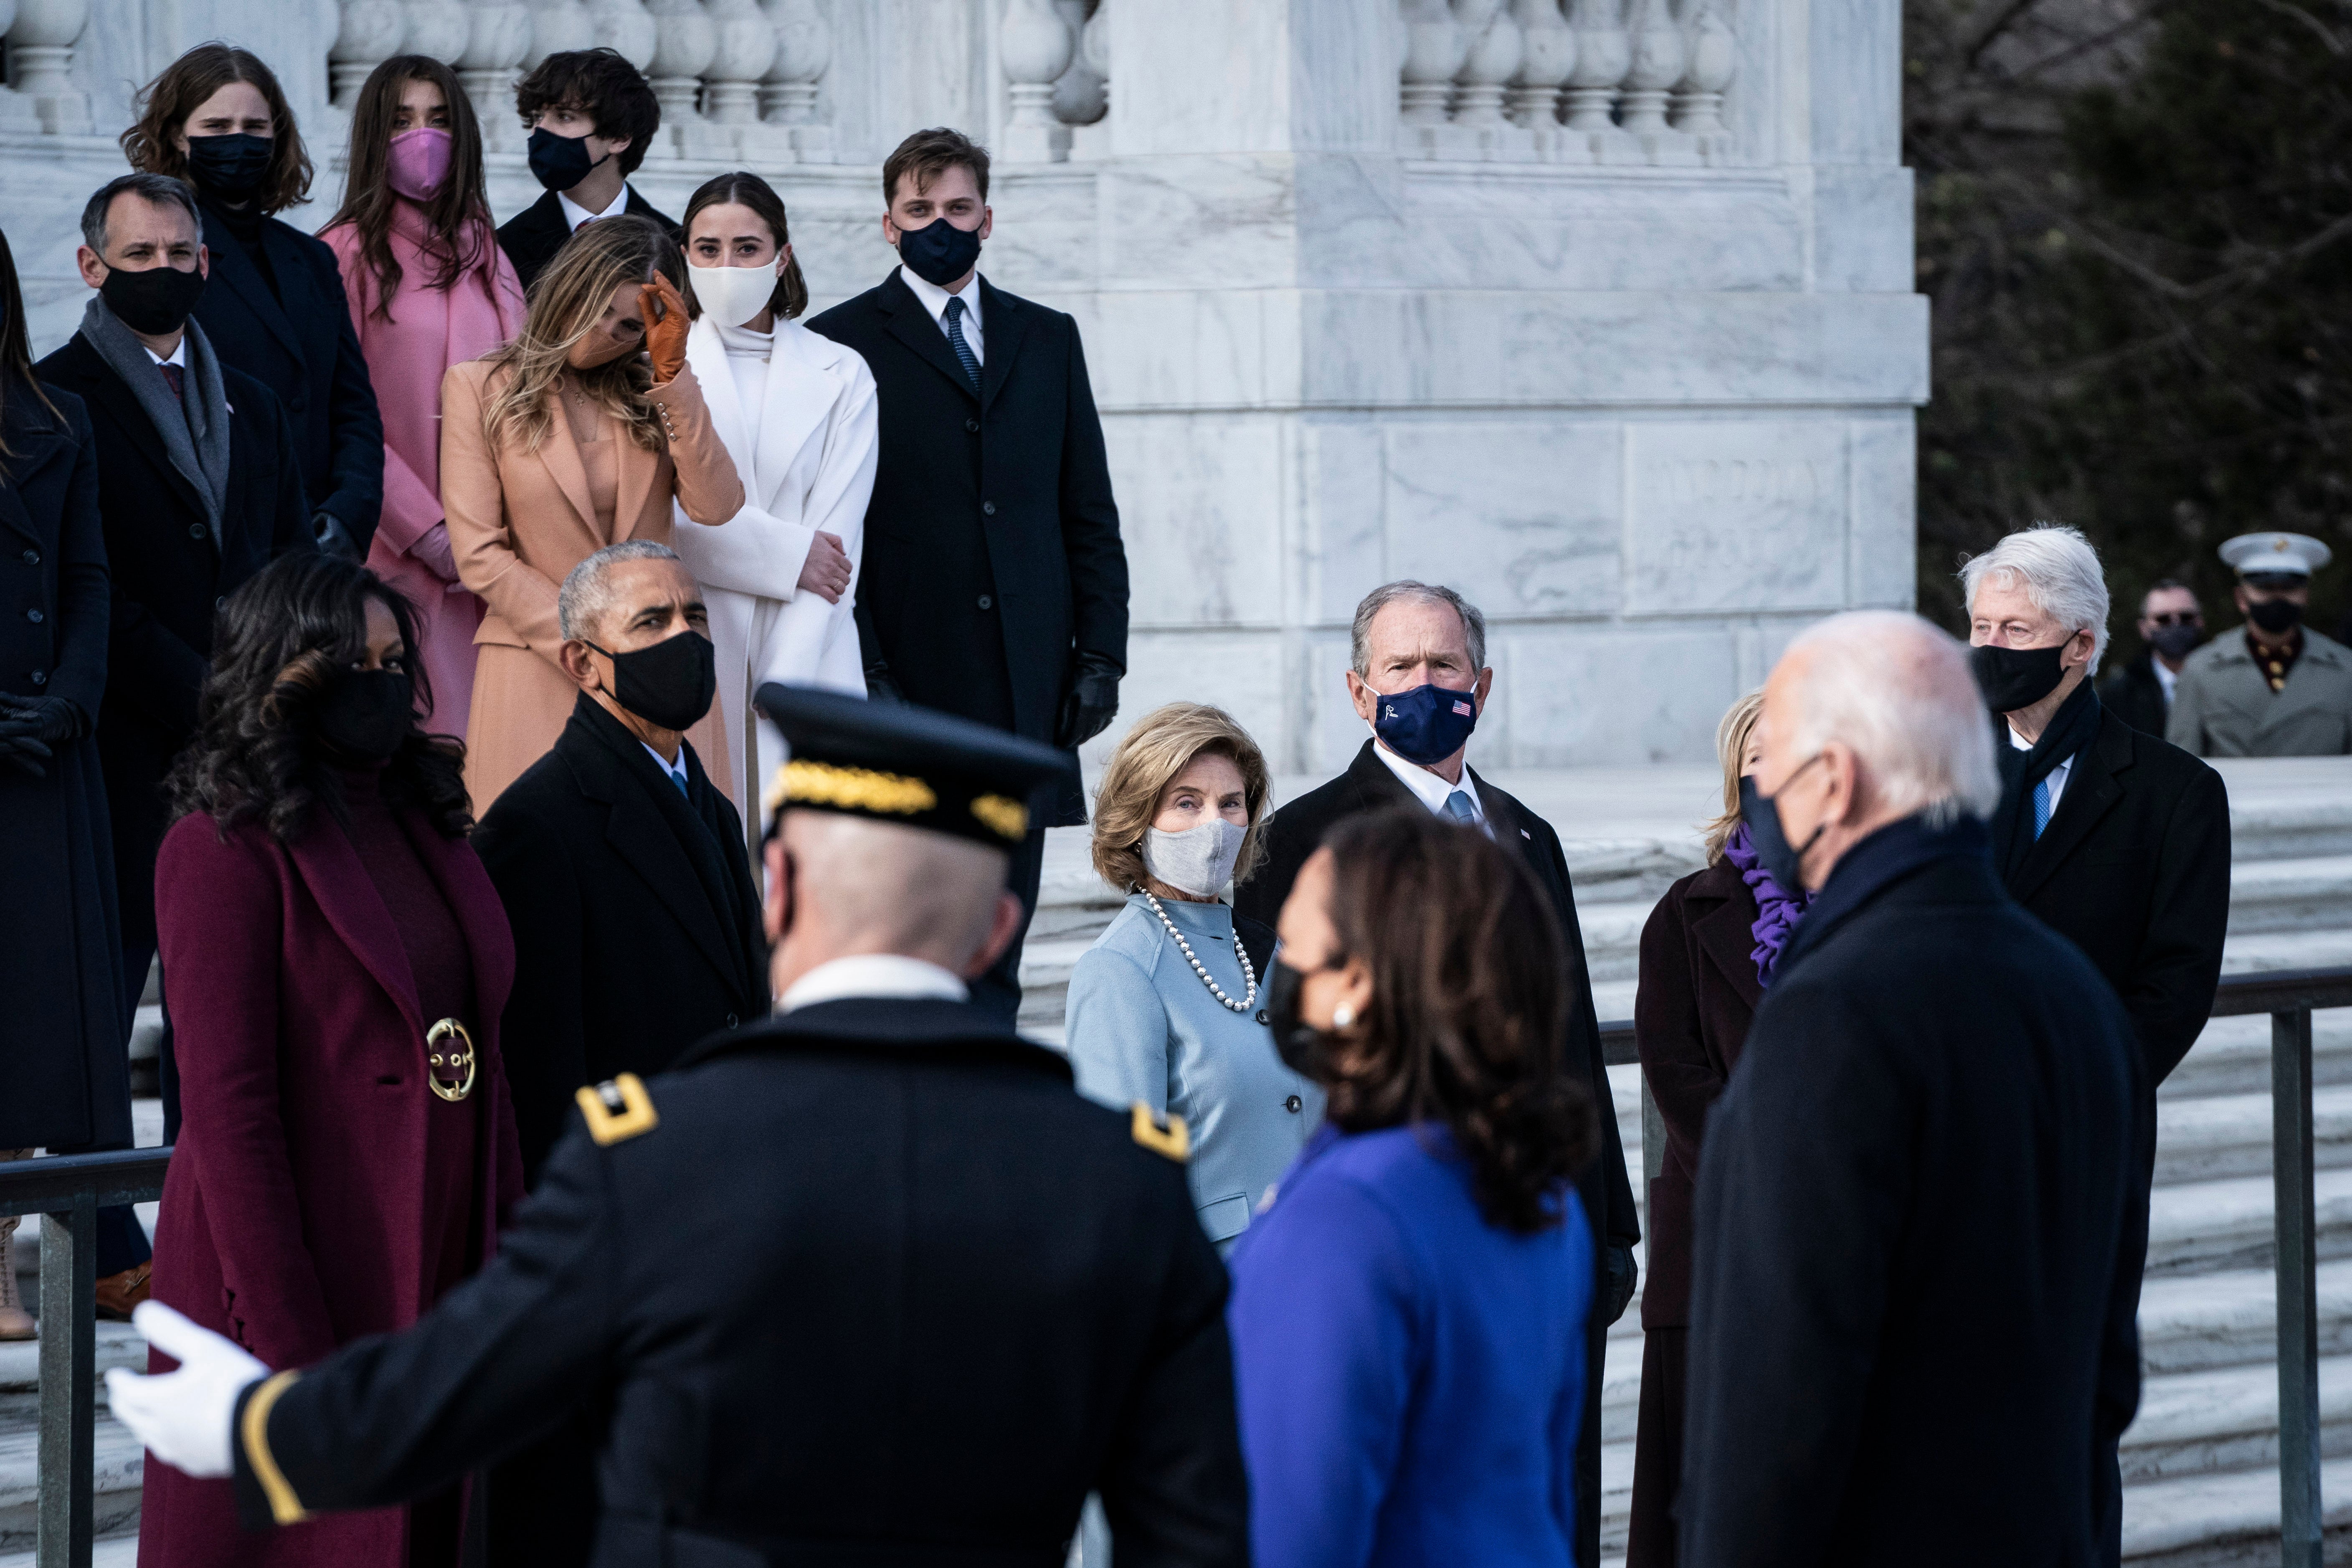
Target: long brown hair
(567, 300)
(164, 105)
(1469, 1010)
(747, 189)
(15, 351)
(456, 217)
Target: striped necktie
(2041, 805)
(964, 356)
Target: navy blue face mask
(939, 252)
(1784, 860)
(1426, 724)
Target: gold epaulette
(253, 1430)
(618, 1110)
(1173, 1138)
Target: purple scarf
(1777, 912)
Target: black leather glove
(1090, 704)
(880, 687)
(1617, 1288)
(24, 755)
(333, 538)
(52, 721)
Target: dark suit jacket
(532, 237)
(169, 576)
(2134, 695)
(1608, 1195)
(1918, 1251)
(299, 343)
(633, 937)
(877, 1287)
(993, 556)
(2134, 870)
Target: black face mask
(669, 684)
(155, 301)
(1300, 1043)
(230, 167)
(939, 252)
(2176, 641)
(1784, 860)
(2016, 678)
(560, 162)
(367, 713)
(2274, 615)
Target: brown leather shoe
(117, 1293)
(15, 1323)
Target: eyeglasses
(2177, 618)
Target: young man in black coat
(637, 927)
(2171, 627)
(995, 583)
(199, 487)
(591, 117)
(867, 1282)
(1420, 679)
(1918, 1248)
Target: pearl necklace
(1248, 972)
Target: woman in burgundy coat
(338, 962)
(1708, 954)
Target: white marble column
(1605, 53)
(730, 84)
(557, 27)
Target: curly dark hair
(603, 86)
(164, 105)
(279, 642)
(1469, 1010)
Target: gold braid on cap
(856, 789)
(1005, 818)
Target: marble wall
(1630, 360)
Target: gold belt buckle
(449, 1049)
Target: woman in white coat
(796, 413)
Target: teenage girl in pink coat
(429, 288)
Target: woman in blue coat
(1408, 1311)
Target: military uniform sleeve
(396, 1416)
(2185, 727)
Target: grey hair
(161, 189)
(1474, 625)
(586, 595)
(1898, 690)
(2060, 573)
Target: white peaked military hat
(2291, 554)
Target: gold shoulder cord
(1174, 1139)
(618, 1110)
(284, 1506)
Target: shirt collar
(2018, 742)
(179, 355)
(2166, 679)
(675, 768)
(873, 974)
(1430, 789)
(574, 215)
(935, 299)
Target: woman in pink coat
(429, 288)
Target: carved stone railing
(1055, 57)
(41, 96)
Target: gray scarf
(195, 426)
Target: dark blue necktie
(964, 356)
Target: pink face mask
(420, 162)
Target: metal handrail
(2289, 996)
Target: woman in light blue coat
(1165, 1010)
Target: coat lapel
(110, 397)
(472, 898)
(2091, 792)
(346, 895)
(912, 325)
(1728, 934)
(728, 418)
(1003, 324)
(640, 836)
(801, 392)
(634, 471)
(559, 455)
(233, 267)
(35, 445)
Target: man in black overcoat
(199, 487)
(868, 1282)
(2171, 627)
(995, 583)
(1419, 679)
(1918, 1248)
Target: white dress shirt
(676, 770)
(178, 356)
(2166, 679)
(574, 215)
(935, 300)
(1430, 789)
(2057, 775)
(874, 975)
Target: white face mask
(734, 295)
(1198, 860)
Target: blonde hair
(567, 300)
(1731, 737)
(1161, 745)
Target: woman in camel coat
(566, 440)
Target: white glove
(184, 1417)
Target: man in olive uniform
(867, 1282)
(2277, 688)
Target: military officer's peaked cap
(913, 767)
(2285, 555)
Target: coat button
(730, 1020)
(1260, 1016)
(221, 603)
(34, 616)
(195, 531)
(32, 558)
(40, 678)
(973, 426)
(988, 508)
(1292, 1104)
(301, 405)
(985, 600)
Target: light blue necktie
(964, 356)
(1458, 807)
(2041, 805)
(677, 777)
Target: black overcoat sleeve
(542, 1034)
(396, 1416)
(355, 426)
(2170, 993)
(83, 586)
(289, 520)
(1621, 1225)
(1290, 838)
(1090, 524)
(1667, 1032)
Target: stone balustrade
(1565, 81)
(41, 97)
(1056, 59)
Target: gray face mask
(1198, 860)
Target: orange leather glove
(666, 328)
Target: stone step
(2226, 1418)
(2196, 1322)
(2227, 1519)
(2289, 895)
(2204, 1227)
(2229, 1135)
(120, 1462)
(2233, 1056)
